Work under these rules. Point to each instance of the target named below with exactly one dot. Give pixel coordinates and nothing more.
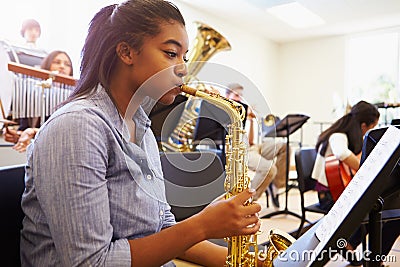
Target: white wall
(311, 75)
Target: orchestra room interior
(300, 73)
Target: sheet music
(358, 185)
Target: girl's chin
(167, 99)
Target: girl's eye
(185, 59)
(171, 54)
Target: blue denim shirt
(89, 190)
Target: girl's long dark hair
(350, 124)
(128, 22)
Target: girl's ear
(125, 53)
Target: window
(373, 72)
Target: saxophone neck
(235, 110)
(188, 90)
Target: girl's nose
(181, 70)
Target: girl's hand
(230, 217)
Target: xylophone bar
(41, 74)
(30, 99)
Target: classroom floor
(286, 223)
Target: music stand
(213, 124)
(387, 205)
(316, 246)
(284, 128)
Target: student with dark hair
(344, 140)
(59, 62)
(94, 194)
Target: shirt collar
(105, 103)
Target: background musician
(344, 140)
(59, 62)
(31, 31)
(95, 196)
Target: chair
(11, 188)
(192, 181)
(304, 159)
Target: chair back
(192, 181)
(304, 159)
(11, 188)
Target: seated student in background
(95, 192)
(344, 140)
(267, 159)
(58, 62)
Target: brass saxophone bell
(278, 242)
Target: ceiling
(341, 16)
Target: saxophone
(237, 180)
(242, 250)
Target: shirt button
(148, 176)
(161, 212)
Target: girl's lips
(177, 89)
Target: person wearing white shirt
(344, 140)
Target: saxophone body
(242, 250)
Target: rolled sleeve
(339, 145)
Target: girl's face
(161, 58)
(365, 128)
(32, 34)
(61, 64)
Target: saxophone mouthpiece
(188, 90)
